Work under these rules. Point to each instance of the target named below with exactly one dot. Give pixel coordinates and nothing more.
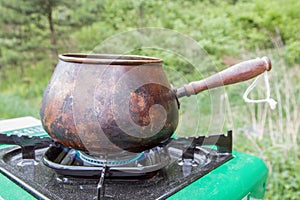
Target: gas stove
(182, 167)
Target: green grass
(12, 105)
(21, 93)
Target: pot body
(109, 107)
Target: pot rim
(111, 59)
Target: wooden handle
(237, 73)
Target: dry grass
(273, 135)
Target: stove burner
(94, 161)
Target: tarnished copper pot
(104, 104)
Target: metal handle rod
(100, 185)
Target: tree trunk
(52, 32)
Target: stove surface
(43, 182)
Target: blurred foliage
(222, 28)
(226, 29)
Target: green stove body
(183, 168)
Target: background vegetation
(33, 32)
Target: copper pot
(104, 104)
